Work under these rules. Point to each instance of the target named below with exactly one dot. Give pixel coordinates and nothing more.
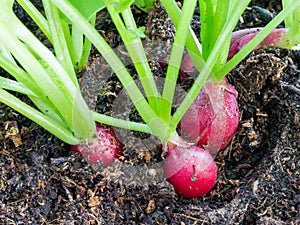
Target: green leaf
(124, 4)
(88, 8)
(218, 19)
(12, 85)
(137, 33)
(292, 22)
(144, 5)
(46, 122)
(120, 5)
(288, 21)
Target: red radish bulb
(191, 170)
(276, 39)
(104, 149)
(187, 64)
(213, 118)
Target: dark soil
(42, 182)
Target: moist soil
(42, 182)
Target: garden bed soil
(42, 182)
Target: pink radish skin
(240, 39)
(190, 170)
(103, 150)
(187, 64)
(236, 35)
(203, 126)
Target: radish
(240, 38)
(202, 123)
(104, 149)
(191, 170)
(213, 118)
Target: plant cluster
(49, 77)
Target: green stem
(38, 97)
(51, 125)
(136, 51)
(182, 32)
(4, 53)
(222, 45)
(101, 118)
(51, 78)
(67, 35)
(158, 128)
(37, 17)
(77, 42)
(58, 40)
(19, 74)
(289, 20)
(192, 44)
(12, 85)
(206, 71)
(86, 48)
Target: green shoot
(49, 79)
(176, 58)
(145, 5)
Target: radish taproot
(213, 118)
(191, 170)
(104, 149)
